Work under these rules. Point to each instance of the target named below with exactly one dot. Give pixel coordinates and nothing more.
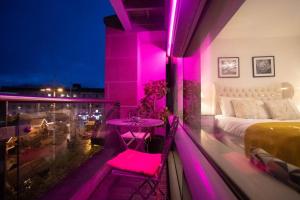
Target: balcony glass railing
(43, 139)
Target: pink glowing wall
(151, 58)
(132, 60)
(191, 67)
(121, 68)
(191, 84)
(178, 76)
(186, 69)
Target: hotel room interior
(229, 69)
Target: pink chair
(145, 166)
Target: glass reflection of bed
(263, 117)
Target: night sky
(56, 42)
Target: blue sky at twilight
(53, 42)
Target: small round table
(134, 123)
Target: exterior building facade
(76, 91)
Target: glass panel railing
(42, 141)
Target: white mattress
(238, 126)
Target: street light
(60, 89)
(54, 90)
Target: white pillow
(282, 109)
(250, 109)
(226, 106)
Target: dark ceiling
(142, 14)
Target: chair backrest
(173, 127)
(171, 135)
(168, 143)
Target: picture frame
(228, 67)
(263, 66)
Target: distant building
(76, 91)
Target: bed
(238, 126)
(278, 134)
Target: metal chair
(133, 136)
(145, 166)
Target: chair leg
(147, 145)
(137, 191)
(153, 187)
(149, 183)
(160, 191)
(147, 142)
(163, 194)
(151, 191)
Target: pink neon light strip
(171, 27)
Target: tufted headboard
(269, 92)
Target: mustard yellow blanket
(280, 139)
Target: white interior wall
(287, 64)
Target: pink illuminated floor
(117, 188)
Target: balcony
(57, 148)
(157, 56)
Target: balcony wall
(151, 58)
(132, 60)
(121, 67)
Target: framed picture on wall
(263, 66)
(228, 67)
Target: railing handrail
(15, 98)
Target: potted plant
(150, 105)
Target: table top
(143, 122)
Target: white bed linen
(238, 126)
